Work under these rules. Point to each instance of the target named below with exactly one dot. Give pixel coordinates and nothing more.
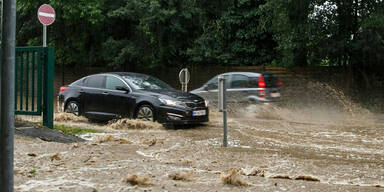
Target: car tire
(73, 107)
(146, 113)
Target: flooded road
(271, 148)
(334, 150)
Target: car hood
(176, 94)
(198, 90)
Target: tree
(75, 34)
(235, 38)
(288, 21)
(131, 34)
(160, 32)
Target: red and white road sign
(46, 14)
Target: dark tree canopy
(127, 34)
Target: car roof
(124, 73)
(250, 74)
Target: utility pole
(7, 94)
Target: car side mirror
(122, 88)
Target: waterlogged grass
(67, 130)
(73, 131)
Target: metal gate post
(48, 88)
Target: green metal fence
(34, 76)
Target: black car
(121, 94)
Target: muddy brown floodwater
(271, 148)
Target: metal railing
(34, 68)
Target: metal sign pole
(223, 107)
(225, 141)
(46, 15)
(186, 80)
(8, 40)
(44, 35)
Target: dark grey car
(243, 87)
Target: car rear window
(270, 80)
(96, 81)
(239, 81)
(253, 82)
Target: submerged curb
(46, 134)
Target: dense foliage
(126, 34)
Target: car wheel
(146, 113)
(73, 107)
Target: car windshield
(146, 82)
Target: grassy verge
(67, 130)
(73, 131)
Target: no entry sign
(46, 14)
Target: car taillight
(63, 89)
(261, 82)
(279, 83)
(261, 93)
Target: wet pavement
(271, 148)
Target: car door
(93, 96)
(120, 102)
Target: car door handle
(105, 93)
(81, 91)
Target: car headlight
(173, 103)
(206, 103)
